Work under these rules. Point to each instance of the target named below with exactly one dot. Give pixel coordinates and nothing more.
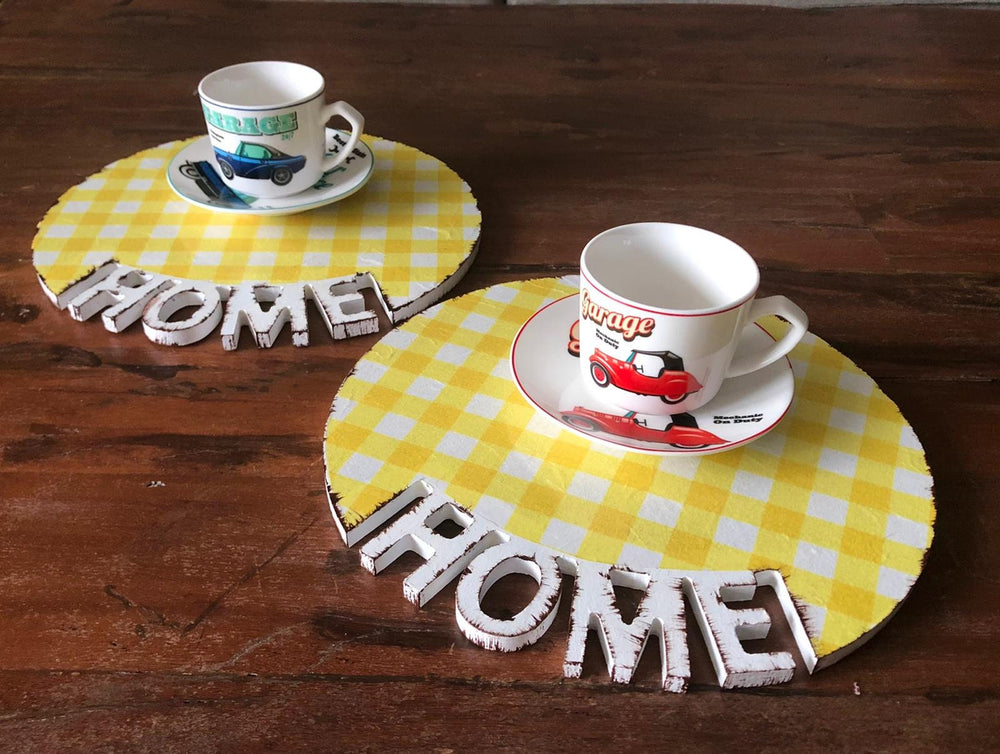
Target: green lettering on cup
(279, 124)
(249, 126)
(267, 126)
(288, 122)
(212, 117)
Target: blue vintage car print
(208, 181)
(259, 161)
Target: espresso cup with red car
(267, 126)
(662, 311)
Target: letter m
(660, 614)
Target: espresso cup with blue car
(267, 126)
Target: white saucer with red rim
(547, 372)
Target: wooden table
(172, 578)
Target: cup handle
(785, 309)
(357, 121)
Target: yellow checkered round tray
(414, 228)
(837, 498)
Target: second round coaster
(832, 508)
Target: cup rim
(314, 92)
(730, 305)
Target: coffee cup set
(659, 352)
(268, 150)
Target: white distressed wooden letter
(121, 297)
(532, 621)
(776, 581)
(196, 326)
(74, 289)
(724, 628)
(286, 305)
(445, 557)
(342, 307)
(660, 613)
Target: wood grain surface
(171, 577)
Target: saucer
(547, 372)
(193, 176)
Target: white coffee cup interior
(670, 267)
(261, 84)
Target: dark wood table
(171, 575)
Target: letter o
(531, 623)
(190, 330)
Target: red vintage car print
(659, 373)
(682, 432)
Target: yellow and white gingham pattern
(837, 497)
(411, 226)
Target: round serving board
(122, 240)
(836, 498)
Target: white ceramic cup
(662, 308)
(267, 125)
